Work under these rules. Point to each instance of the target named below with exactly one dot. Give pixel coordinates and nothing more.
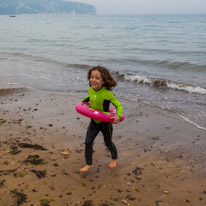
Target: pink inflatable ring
(84, 109)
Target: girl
(100, 96)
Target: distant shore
(162, 158)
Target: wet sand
(162, 158)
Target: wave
(47, 60)
(193, 123)
(185, 66)
(160, 83)
(154, 82)
(170, 65)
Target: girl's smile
(96, 80)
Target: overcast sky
(148, 6)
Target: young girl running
(101, 83)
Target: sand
(162, 158)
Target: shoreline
(161, 157)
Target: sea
(158, 60)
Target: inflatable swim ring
(84, 109)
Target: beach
(161, 157)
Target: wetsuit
(100, 100)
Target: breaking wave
(153, 82)
(160, 83)
(193, 123)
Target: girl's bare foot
(112, 164)
(85, 168)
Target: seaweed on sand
(33, 146)
(88, 203)
(39, 174)
(20, 197)
(35, 160)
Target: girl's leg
(92, 132)
(107, 131)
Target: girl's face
(96, 80)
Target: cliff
(44, 6)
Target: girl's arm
(118, 107)
(86, 99)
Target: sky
(148, 6)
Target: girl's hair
(109, 81)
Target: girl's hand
(116, 119)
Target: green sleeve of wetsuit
(86, 99)
(117, 105)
